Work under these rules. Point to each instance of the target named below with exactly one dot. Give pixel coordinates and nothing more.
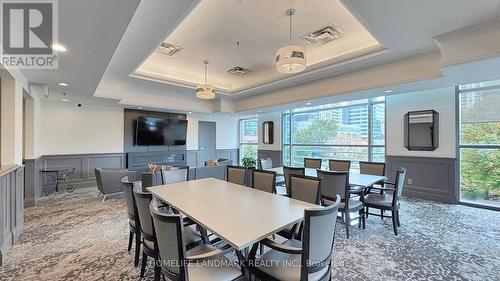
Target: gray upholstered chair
(109, 180)
(388, 201)
(181, 264)
(264, 180)
(264, 163)
(133, 217)
(149, 179)
(339, 165)
(313, 163)
(175, 174)
(287, 172)
(337, 183)
(306, 260)
(149, 242)
(236, 174)
(303, 188)
(218, 172)
(376, 169)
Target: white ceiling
(211, 31)
(90, 30)
(108, 40)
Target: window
(479, 143)
(248, 139)
(352, 130)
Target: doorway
(206, 142)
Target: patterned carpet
(78, 237)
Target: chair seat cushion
(378, 200)
(190, 237)
(283, 266)
(207, 269)
(354, 204)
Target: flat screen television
(157, 131)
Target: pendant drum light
(205, 91)
(292, 58)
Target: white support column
(11, 120)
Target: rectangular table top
(239, 215)
(362, 180)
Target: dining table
(355, 180)
(241, 216)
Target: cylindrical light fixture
(292, 58)
(205, 91)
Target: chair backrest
(372, 168)
(305, 188)
(169, 230)
(128, 191)
(334, 183)
(236, 174)
(265, 163)
(288, 171)
(313, 163)
(151, 179)
(218, 172)
(175, 174)
(264, 180)
(398, 185)
(142, 199)
(318, 239)
(109, 179)
(339, 165)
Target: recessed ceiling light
(189, 112)
(260, 111)
(63, 84)
(139, 107)
(58, 47)
(308, 103)
(388, 91)
(65, 100)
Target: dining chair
(236, 174)
(339, 165)
(203, 262)
(314, 163)
(308, 259)
(388, 201)
(287, 172)
(264, 180)
(303, 188)
(149, 242)
(265, 163)
(376, 169)
(133, 217)
(335, 184)
(174, 174)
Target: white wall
(67, 129)
(441, 100)
(276, 118)
(11, 119)
(226, 130)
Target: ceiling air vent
(168, 49)
(323, 36)
(238, 71)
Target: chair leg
(364, 221)
(130, 240)
(347, 224)
(394, 222)
(382, 214)
(143, 264)
(157, 271)
(366, 211)
(137, 248)
(397, 217)
(104, 198)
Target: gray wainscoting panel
(11, 209)
(84, 165)
(228, 154)
(192, 158)
(427, 177)
(32, 187)
(275, 155)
